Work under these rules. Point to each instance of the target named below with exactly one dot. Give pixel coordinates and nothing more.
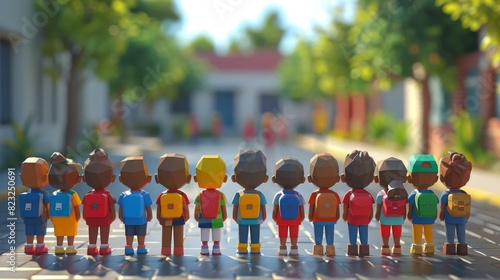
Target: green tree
(268, 35)
(409, 39)
(475, 14)
(202, 43)
(93, 34)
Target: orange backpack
(325, 206)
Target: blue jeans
(353, 233)
(318, 233)
(450, 233)
(254, 233)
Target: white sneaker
(204, 250)
(282, 251)
(294, 251)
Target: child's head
(34, 173)
(210, 172)
(134, 173)
(422, 170)
(173, 171)
(388, 170)
(358, 169)
(454, 170)
(323, 171)
(64, 173)
(98, 170)
(250, 168)
(288, 173)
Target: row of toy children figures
(249, 204)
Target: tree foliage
(474, 14)
(202, 43)
(268, 35)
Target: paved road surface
(483, 236)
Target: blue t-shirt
(447, 217)
(43, 218)
(415, 218)
(258, 220)
(389, 221)
(147, 202)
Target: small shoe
(41, 250)
(242, 248)
(255, 248)
(141, 250)
(429, 249)
(129, 251)
(204, 250)
(166, 251)
(352, 249)
(330, 250)
(462, 249)
(318, 250)
(364, 250)
(59, 251)
(396, 250)
(105, 251)
(92, 251)
(449, 249)
(178, 251)
(29, 249)
(385, 250)
(71, 251)
(216, 250)
(416, 249)
(282, 251)
(294, 251)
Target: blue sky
(224, 19)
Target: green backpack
(426, 204)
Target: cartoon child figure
(391, 202)
(172, 211)
(454, 172)
(64, 174)
(98, 204)
(323, 202)
(288, 210)
(34, 204)
(135, 204)
(422, 202)
(210, 204)
(249, 209)
(358, 203)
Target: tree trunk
(119, 116)
(426, 109)
(73, 94)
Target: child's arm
(275, 212)
(441, 213)
(338, 213)
(149, 213)
(47, 210)
(377, 213)
(344, 213)
(224, 212)
(158, 211)
(83, 215)
(301, 211)
(410, 211)
(311, 212)
(371, 213)
(235, 212)
(263, 211)
(120, 213)
(197, 212)
(77, 212)
(185, 212)
(112, 208)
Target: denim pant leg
(363, 234)
(243, 233)
(329, 233)
(353, 233)
(461, 233)
(318, 234)
(450, 233)
(255, 234)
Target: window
(270, 103)
(5, 82)
(182, 104)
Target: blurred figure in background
(320, 118)
(248, 130)
(216, 125)
(194, 129)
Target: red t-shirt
(312, 202)
(358, 221)
(185, 202)
(104, 221)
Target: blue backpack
(60, 204)
(31, 204)
(133, 205)
(289, 205)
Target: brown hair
(288, 173)
(98, 169)
(454, 170)
(250, 168)
(64, 173)
(358, 169)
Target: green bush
(468, 138)
(20, 147)
(378, 127)
(400, 134)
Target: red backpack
(209, 204)
(360, 204)
(393, 206)
(96, 205)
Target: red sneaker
(41, 250)
(105, 251)
(29, 249)
(92, 251)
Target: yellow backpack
(171, 205)
(459, 204)
(249, 205)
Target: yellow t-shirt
(66, 221)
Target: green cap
(416, 162)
